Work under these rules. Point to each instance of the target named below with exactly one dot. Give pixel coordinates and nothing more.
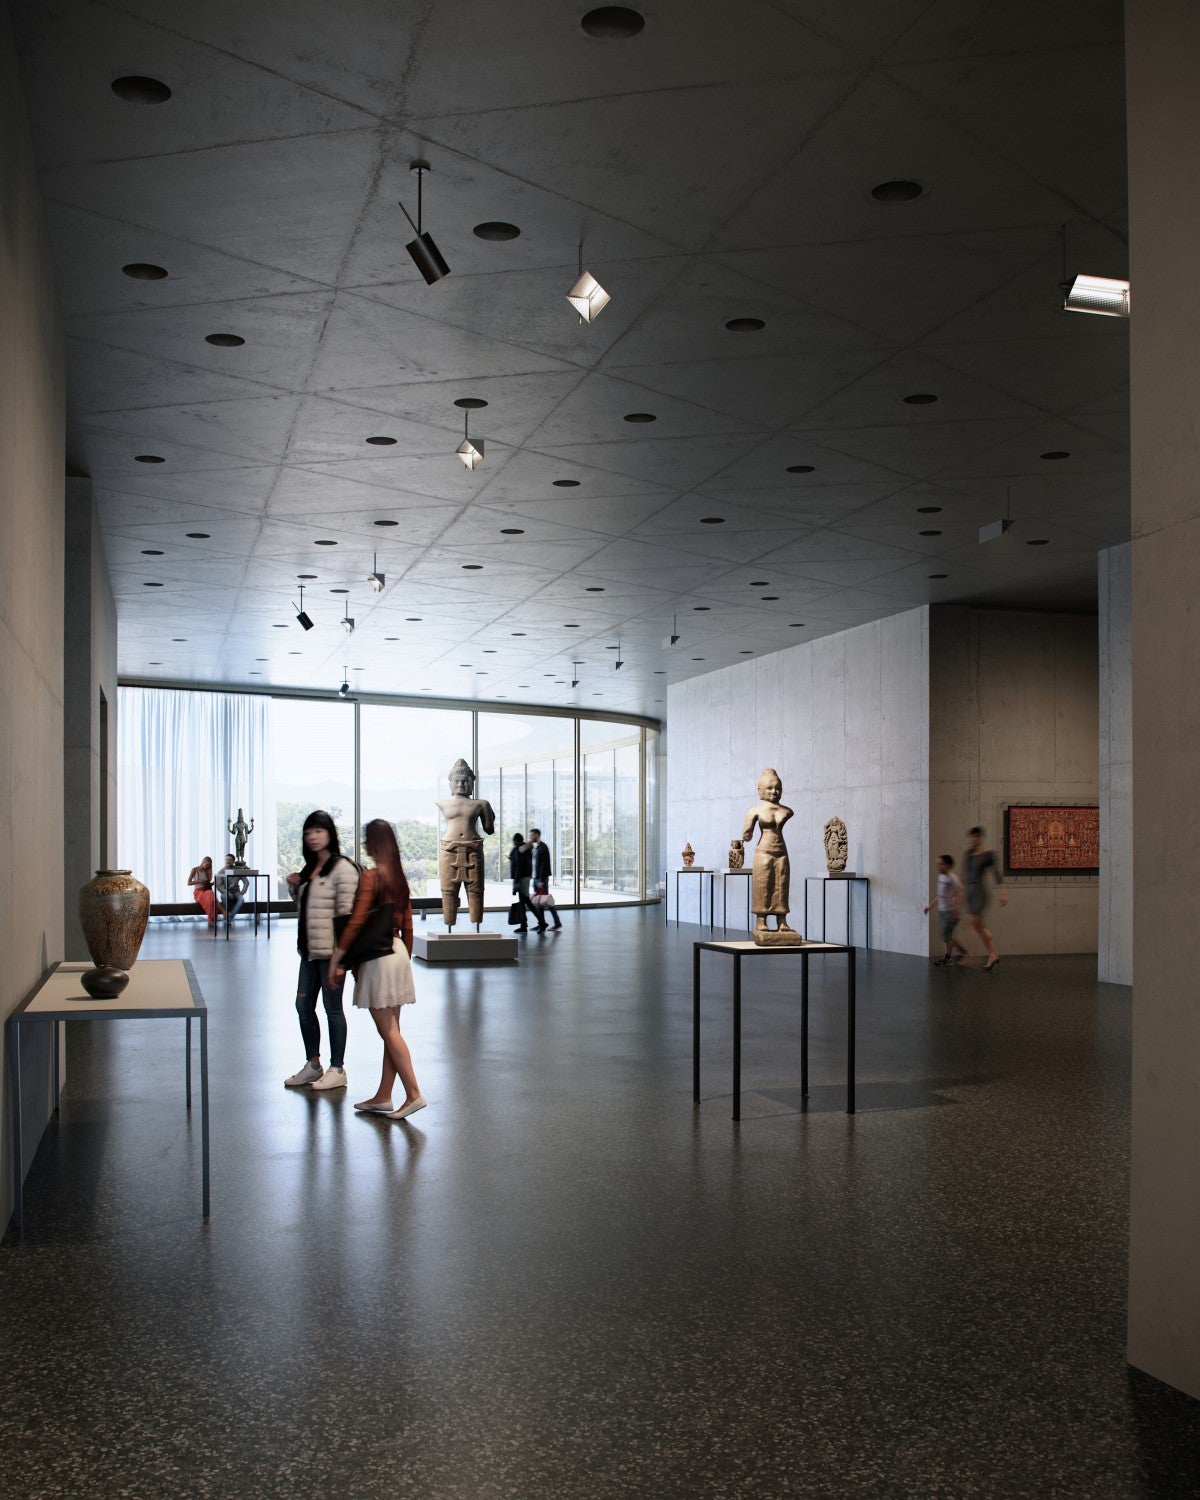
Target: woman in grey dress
(977, 862)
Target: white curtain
(188, 761)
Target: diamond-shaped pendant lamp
(587, 296)
(470, 452)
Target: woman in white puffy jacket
(325, 890)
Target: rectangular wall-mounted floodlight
(994, 530)
(1103, 295)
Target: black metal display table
(747, 949)
(726, 877)
(700, 912)
(846, 880)
(253, 876)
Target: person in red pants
(200, 878)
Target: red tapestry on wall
(1052, 840)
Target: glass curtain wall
(527, 773)
(610, 757)
(405, 755)
(312, 766)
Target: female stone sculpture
(771, 871)
(837, 846)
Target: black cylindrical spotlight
(303, 620)
(427, 258)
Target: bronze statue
(771, 871)
(241, 831)
(460, 851)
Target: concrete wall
(1115, 936)
(90, 669)
(31, 602)
(1162, 42)
(844, 722)
(1014, 718)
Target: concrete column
(1162, 45)
(1115, 946)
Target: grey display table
(253, 876)
(158, 988)
(700, 911)
(747, 949)
(726, 877)
(847, 880)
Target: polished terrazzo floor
(563, 1279)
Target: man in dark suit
(520, 865)
(541, 870)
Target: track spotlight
(375, 578)
(426, 256)
(344, 690)
(587, 296)
(302, 619)
(470, 452)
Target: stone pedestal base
(773, 939)
(464, 947)
(840, 875)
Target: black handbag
(375, 939)
(514, 914)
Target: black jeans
(309, 985)
(522, 894)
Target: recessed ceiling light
(152, 552)
(800, 469)
(224, 340)
(745, 325)
(613, 23)
(324, 541)
(522, 684)
(382, 442)
(921, 398)
(387, 523)
(1038, 541)
(760, 583)
(770, 598)
(279, 627)
(306, 576)
(594, 588)
(156, 664)
(135, 89)
(200, 536)
(939, 575)
(470, 403)
(565, 484)
(152, 585)
(929, 533)
(254, 673)
(496, 229)
(480, 674)
(639, 416)
(412, 619)
(745, 653)
(148, 458)
(295, 653)
(712, 520)
(701, 608)
(661, 672)
(512, 531)
(1055, 454)
(519, 632)
(339, 591)
(179, 640)
(697, 658)
(262, 658)
(391, 637)
(796, 625)
(896, 192)
(928, 510)
(140, 270)
(490, 651)
(472, 567)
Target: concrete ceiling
(717, 166)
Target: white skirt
(385, 982)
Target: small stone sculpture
(837, 846)
(460, 850)
(241, 831)
(688, 856)
(737, 854)
(771, 871)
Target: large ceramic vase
(113, 911)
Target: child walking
(949, 905)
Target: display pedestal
(464, 947)
(840, 875)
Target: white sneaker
(332, 1078)
(309, 1073)
(407, 1109)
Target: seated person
(200, 878)
(231, 888)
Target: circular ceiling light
(928, 510)
(200, 536)
(519, 632)
(1055, 454)
(712, 520)
(745, 325)
(382, 442)
(391, 637)
(140, 270)
(135, 89)
(697, 658)
(472, 567)
(939, 575)
(801, 469)
(511, 531)
(740, 653)
(412, 619)
(306, 576)
(922, 398)
(594, 588)
(929, 533)
(1038, 541)
(796, 625)
(496, 229)
(899, 191)
(760, 583)
(224, 340)
(295, 653)
(152, 585)
(324, 541)
(262, 658)
(387, 523)
(152, 552)
(180, 640)
(770, 598)
(565, 484)
(148, 458)
(470, 403)
(639, 416)
(570, 627)
(701, 609)
(613, 23)
(339, 591)
(155, 664)
(280, 627)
